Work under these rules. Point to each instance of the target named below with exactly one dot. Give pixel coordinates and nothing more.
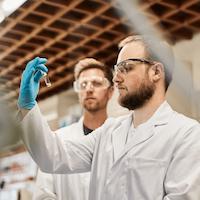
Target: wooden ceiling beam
(20, 17)
(96, 44)
(38, 50)
(32, 34)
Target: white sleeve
(53, 154)
(183, 175)
(44, 187)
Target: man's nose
(89, 87)
(117, 78)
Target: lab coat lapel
(78, 129)
(141, 136)
(119, 136)
(160, 118)
(80, 123)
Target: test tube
(46, 79)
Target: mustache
(121, 87)
(89, 97)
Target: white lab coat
(61, 186)
(160, 162)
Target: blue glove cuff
(28, 106)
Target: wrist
(21, 114)
(24, 111)
(26, 106)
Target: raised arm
(52, 154)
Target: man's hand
(30, 82)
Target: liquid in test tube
(46, 79)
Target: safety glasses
(127, 65)
(93, 82)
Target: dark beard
(138, 98)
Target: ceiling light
(2, 17)
(10, 6)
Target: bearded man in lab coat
(94, 87)
(150, 154)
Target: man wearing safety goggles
(150, 154)
(93, 83)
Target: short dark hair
(156, 51)
(90, 63)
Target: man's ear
(158, 70)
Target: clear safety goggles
(93, 82)
(127, 65)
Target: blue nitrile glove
(30, 82)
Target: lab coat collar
(80, 125)
(161, 115)
(76, 127)
(119, 137)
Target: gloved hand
(30, 82)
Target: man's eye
(96, 83)
(121, 67)
(83, 85)
(128, 67)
